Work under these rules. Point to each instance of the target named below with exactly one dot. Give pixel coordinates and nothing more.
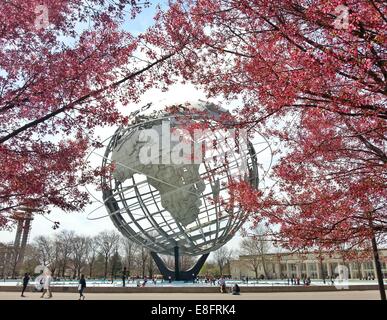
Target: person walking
(26, 279)
(81, 287)
(145, 281)
(222, 284)
(47, 284)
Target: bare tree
(169, 261)
(151, 266)
(92, 252)
(107, 241)
(48, 252)
(65, 243)
(130, 249)
(31, 259)
(222, 257)
(79, 254)
(45, 249)
(186, 262)
(256, 247)
(115, 262)
(142, 259)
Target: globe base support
(177, 274)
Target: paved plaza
(335, 295)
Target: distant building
(287, 265)
(6, 258)
(12, 255)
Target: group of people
(125, 279)
(144, 282)
(211, 280)
(297, 281)
(43, 284)
(369, 276)
(221, 281)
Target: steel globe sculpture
(167, 189)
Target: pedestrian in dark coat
(26, 279)
(81, 287)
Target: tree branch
(82, 99)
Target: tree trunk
(106, 267)
(378, 267)
(90, 270)
(359, 275)
(129, 267)
(228, 267)
(150, 268)
(264, 267)
(64, 268)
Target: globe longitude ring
(168, 187)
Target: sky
(93, 219)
